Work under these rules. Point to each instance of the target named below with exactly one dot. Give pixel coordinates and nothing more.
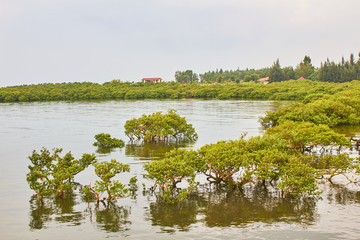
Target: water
(251, 214)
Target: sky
(56, 41)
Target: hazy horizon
(97, 41)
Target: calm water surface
(251, 214)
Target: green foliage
(279, 156)
(284, 90)
(251, 77)
(222, 160)
(104, 140)
(178, 165)
(289, 73)
(275, 72)
(51, 173)
(238, 162)
(333, 165)
(332, 111)
(298, 178)
(114, 188)
(186, 77)
(345, 71)
(233, 76)
(308, 136)
(160, 127)
(305, 68)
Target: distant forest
(329, 71)
(331, 78)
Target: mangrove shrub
(176, 166)
(113, 188)
(104, 140)
(160, 127)
(332, 111)
(51, 173)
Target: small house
(151, 80)
(264, 80)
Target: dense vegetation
(344, 71)
(287, 90)
(290, 157)
(223, 76)
(160, 127)
(296, 150)
(239, 84)
(337, 110)
(329, 71)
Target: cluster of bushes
(288, 90)
(332, 110)
(291, 157)
(52, 174)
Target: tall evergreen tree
(275, 72)
(186, 77)
(305, 68)
(289, 73)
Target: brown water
(254, 213)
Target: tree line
(285, 90)
(329, 71)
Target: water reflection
(240, 208)
(110, 217)
(210, 207)
(232, 208)
(179, 216)
(349, 131)
(340, 194)
(106, 150)
(40, 213)
(150, 151)
(105, 216)
(59, 209)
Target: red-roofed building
(264, 80)
(151, 80)
(301, 78)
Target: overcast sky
(97, 41)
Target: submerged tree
(222, 160)
(332, 111)
(114, 188)
(51, 173)
(178, 165)
(104, 140)
(160, 127)
(307, 136)
(298, 178)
